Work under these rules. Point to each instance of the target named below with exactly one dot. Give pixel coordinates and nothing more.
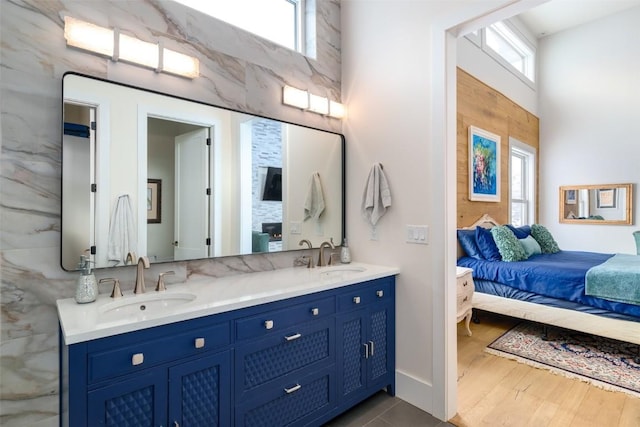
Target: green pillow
(530, 246)
(508, 245)
(545, 239)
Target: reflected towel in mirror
(377, 195)
(122, 236)
(314, 203)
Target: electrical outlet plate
(418, 234)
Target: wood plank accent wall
(482, 106)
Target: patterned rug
(603, 362)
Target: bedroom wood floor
(494, 391)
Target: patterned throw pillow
(545, 239)
(508, 244)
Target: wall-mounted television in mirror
(596, 204)
(226, 175)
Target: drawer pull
(356, 300)
(315, 311)
(465, 283)
(293, 389)
(268, 324)
(380, 294)
(199, 342)
(366, 351)
(176, 424)
(371, 350)
(293, 337)
(465, 299)
(137, 359)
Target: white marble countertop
(84, 322)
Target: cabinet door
(134, 402)
(350, 351)
(379, 337)
(200, 392)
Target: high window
(281, 21)
(504, 43)
(522, 167)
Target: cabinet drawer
(378, 291)
(308, 346)
(292, 402)
(279, 320)
(122, 360)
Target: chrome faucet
(321, 261)
(143, 262)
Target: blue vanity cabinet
(366, 341)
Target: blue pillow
(520, 232)
(467, 239)
(487, 245)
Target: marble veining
(239, 70)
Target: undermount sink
(143, 305)
(333, 272)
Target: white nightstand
(465, 289)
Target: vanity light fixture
(295, 97)
(117, 46)
(307, 101)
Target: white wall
(589, 114)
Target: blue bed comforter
(560, 275)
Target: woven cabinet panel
(352, 348)
(201, 398)
(291, 407)
(272, 362)
(133, 409)
(379, 337)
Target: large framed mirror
(596, 204)
(174, 179)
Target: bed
(554, 300)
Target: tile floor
(382, 410)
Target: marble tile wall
(238, 70)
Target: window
(280, 21)
(522, 187)
(504, 43)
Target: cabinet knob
(137, 359)
(315, 311)
(356, 300)
(199, 342)
(268, 324)
(380, 294)
(465, 283)
(465, 299)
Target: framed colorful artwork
(484, 165)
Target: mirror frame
(342, 215)
(628, 199)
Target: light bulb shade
(337, 110)
(143, 53)
(295, 97)
(84, 35)
(318, 104)
(178, 63)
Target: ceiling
(559, 15)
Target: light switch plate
(418, 234)
(295, 227)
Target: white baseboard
(414, 391)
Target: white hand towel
(377, 195)
(314, 203)
(122, 236)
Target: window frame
(529, 178)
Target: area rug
(603, 362)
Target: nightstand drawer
(378, 291)
(279, 320)
(147, 353)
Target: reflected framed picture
(484, 165)
(606, 198)
(154, 199)
(570, 197)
